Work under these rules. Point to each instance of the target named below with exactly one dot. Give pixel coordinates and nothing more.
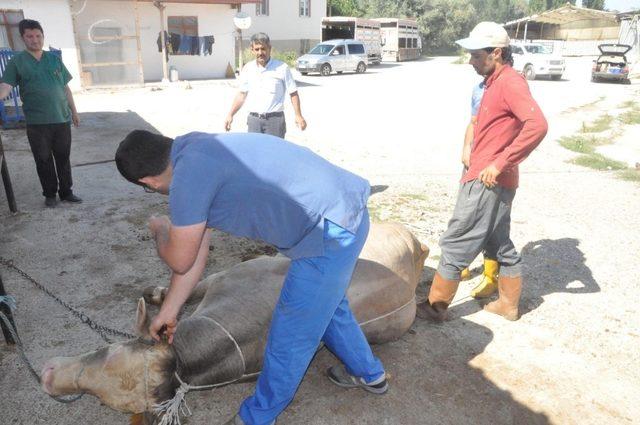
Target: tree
(344, 8)
(536, 6)
(593, 4)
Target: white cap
(485, 34)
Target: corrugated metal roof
(565, 15)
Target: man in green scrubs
(48, 108)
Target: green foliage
(289, 57)
(599, 125)
(630, 117)
(580, 144)
(630, 174)
(599, 162)
(536, 6)
(593, 4)
(344, 8)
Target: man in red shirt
(509, 127)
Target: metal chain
(99, 329)
(16, 338)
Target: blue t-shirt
(476, 98)
(262, 187)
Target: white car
(533, 60)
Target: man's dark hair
(260, 38)
(143, 154)
(507, 56)
(29, 24)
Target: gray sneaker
(339, 376)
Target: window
(402, 42)
(9, 32)
(339, 50)
(183, 25)
(262, 8)
(355, 49)
(305, 7)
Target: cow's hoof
(154, 295)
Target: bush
(289, 57)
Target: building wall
(287, 30)
(55, 18)
(216, 20)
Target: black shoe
(71, 198)
(339, 376)
(50, 202)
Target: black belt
(267, 114)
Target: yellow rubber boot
(465, 274)
(489, 284)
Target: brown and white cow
(235, 308)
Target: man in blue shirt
(262, 187)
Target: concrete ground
(571, 359)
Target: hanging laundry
(174, 40)
(194, 46)
(206, 46)
(168, 48)
(185, 44)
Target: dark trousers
(274, 125)
(51, 148)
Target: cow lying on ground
(224, 339)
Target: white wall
(284, 23)
(216, 20)
(55, 18)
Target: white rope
(173, 407)
(176, 405)
(388, 314)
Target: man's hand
(489, 176)
(300, 122)
(75, 119)
(159, 226)
(165, 320)
(227, 122)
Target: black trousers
(51, 148)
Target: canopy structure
(563, 16)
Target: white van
(334, 56)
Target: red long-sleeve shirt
(510, 125)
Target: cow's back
(241, 300)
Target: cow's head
(129, 376)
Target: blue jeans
(312, 307)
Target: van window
(339, 50)
(321, 49)
(355, 49)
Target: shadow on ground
(549, 266)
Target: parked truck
(400, 39)
(364, 30)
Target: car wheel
(594, 79)
(626, 81)
(325, 70)
(304, 73)
(556, 77)
(529, 73)
(361, 68)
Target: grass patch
(581, 144)
(630, 117)
(601, 124)
(629, 104)
(599, 162)
(630, 174)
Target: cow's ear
(142, 320)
